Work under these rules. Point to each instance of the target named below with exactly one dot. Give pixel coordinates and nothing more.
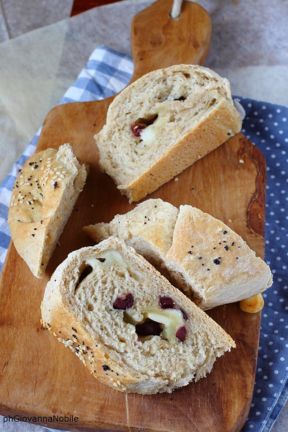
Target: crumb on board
(241, 161)
(176, 179)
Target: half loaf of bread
(42, 200)
(204, 257)
(162, 124)
(127, 323)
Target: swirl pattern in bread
(127, 323)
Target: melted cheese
(150, 133)
(171, 318)
(112, 258)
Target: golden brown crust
(93, 355)
(42, 200)
(221, 123)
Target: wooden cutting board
(38, 376)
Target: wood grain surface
(38, 376)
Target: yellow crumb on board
(253, 304)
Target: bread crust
(57, 318)
(213, 131)
(235, 273)
(62, 324)
(42, 200)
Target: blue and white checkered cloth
(266, 125)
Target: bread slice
(148, 228)
(162, 124)
(126, 323)
(206, 259)
(212, 262)
(42, 200)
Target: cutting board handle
(159, 40)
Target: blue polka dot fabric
(266, 125)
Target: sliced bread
(213, 263)
(205, 258)
(148, 228)
(127, 324)
(42, 200)
(162, 124)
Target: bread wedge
(162, 124)
(207, 260)
(42, 200)
(148, 228)
(133, 330)
(212, 263)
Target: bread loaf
(205, 258)
(162, 124)
(127, 323)
(42, 200)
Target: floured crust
(193, 241)
(42, 200)
(149, 225)
(58, 316)
(198, 124)
(214, 261)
